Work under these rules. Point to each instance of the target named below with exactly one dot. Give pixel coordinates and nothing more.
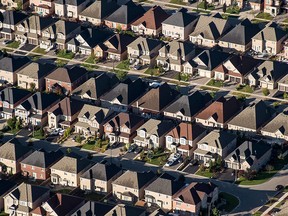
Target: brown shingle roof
(187, 130)
(67, 75)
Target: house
(252, 118)
(215, 144)
(96, 12)
(95, 87)
(121, 97)
(10, 66)
(34, 109)
(249, 155)
(173, 55)
(126, 210)
(122, 128)
(67, 171)
(283, 84)
(187, 106)
(124, 16)
(236, 69)
(267, 74)
(114, 48)
(11, 153)
(93, 208)
(91, 120)
(5, 187)
(143, 51)
(99, 178)
(239, 37)
(32, 76)
(272, 7)
(218, 113)
(151, 22)
(43, 8)
(129, 187)
(161, 191)
(37, 165)
(179, 25)
(9, 99)
(209, 30)
(10, 19)
(25, 198)
(269, 40)
(87, 40)
(152, 133)
(70, 8)
(153, 102)
(256, 5)
(277, 128)
(184, 137)
(15, 5)
(64, 80)
(205, 63)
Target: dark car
(138, 149)
(279, 187)
(194, 162)
(115, 145)
(132, 148)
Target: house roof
(135, 180)
(93, 112)
(125, 119)
(152, 19)
(66, 27)
(218, 139)
(186, 130)
(69, 2)
(127, 13)
(36, 22)
(6, 186)
(221, 110)
(100, 9)
(101, 171)
(188, 195)
(37, 70)
(94, 208)
(181, 18)
(253, 116)
(144, 44)
(126, 210)
(277, 124)
(157, 127)
(272, 32)
(67, 75)
(43, 159)
(13, 95)
(13, 17)
(13, 150)
(117, 43)
(13, 63)
(67, 107)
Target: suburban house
(215, 144)
(152, 133)
(236, 69)
(151, 22)
(184, 137)
(99, 178)
(67, 171)
(9, 99)
(218, 113)
(249, 155)
(124, 16)
(123, 209)
(122, 128)
(155, 100)
(144, 51)
(11, 153)
(179, 25)
(239, 37)
(209, 30)
(129, 187)
(283, 84)
(273, 7)
(269, 40)
(9, 67)
(187, 106)
(25, 198)
(161, 191)
(70, 8)
(91, 120)
(96, 12)
(5, 187)
(43, 8)
(94, 208)
(34, 109)
(121, 97)
(95, 87)
(64, 80)
(252, 118)
(173, 55)
(256, 5)
(64, 113)
(15, 5)
(114, 48)
(33, 75)
(37, 165)
(267, 74)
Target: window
(182, 141)
(169, 139)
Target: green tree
(205, 5)
(32, 86)
(215, 212)
(67, 132)
(285, 95)
(18, 124)
(19, 5)
(121, 75)
(224, 7)
(78, 139)
(11, 123)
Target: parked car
(61, 132)
(132, 148)
(169, 163)
(177, 156)
(5, 42)
(279, 187)
(137, 67)
(194, 162)
(138, 149)
(155, 84)
(55, 132)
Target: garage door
(283, 88)
(32, 41)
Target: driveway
(28, 47)
(191, 169)
(24, 132)
(129, 155)
(227, 175)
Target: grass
(245, 88)
(215, 83)
(89, 67)
(34, 57)
(39, 50)
(158, 157)
(180, 2)
(94, 196)
(99, 145)
(124, 65)
(205, 173)
(209, 6)
(231, 202)
(265, 16)
(152, 71)
(38, 134)
(60, 63)
(206, 88)
(3, 214)
(91, 60)
(201, 11)
(182, 76)
(233, 10)
(258, 213)
(256, 21)
(13, 131)
(14, 44)
(65, 54)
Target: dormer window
(182, 141)
(142, 133)
(169, 139)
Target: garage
(204, 73)
(283, 88)
(33, 41)
(235, 79)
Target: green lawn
(231, 202)
(14, 44)
(233, 10)
(65, 54)
(256, 21)
(39, 50)
(100, 145)
(124, 65)
(209, 6)
(152, 71)
(91, 60)
(34, 57)
(205, 173)
(245, 88)
(264, 15)
(38, 134)
(60, 63)
(215, 83)
(3, 214)
(180, 2)
(89, 67)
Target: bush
(265, 91)
(78, 139)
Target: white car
(154, 84)
(169, 163)
(177, 156)
(61, 132)
(54, 132)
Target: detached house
(273, 7)
(15, 5)
(256, 5)
(215, 144)
(70, 8)
(43, 8)
(283, 84)
(5, 187)
(218, 113)
(94, 208)
(151, 22)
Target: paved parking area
(28, 47)
(191, 169)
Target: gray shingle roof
(90, 112)
(37, 70)
(272, 32)
(100, 9)
(13, 17)
(13, 95)
(67, 75)
(100, 171)
(279, 123)
(157, 127)
(12, 64)
(13, 150)
(181, 19)
(218, 139)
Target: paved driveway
(130, 155)
(191, 169)
(28, 47)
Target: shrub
(265, 91)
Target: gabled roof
(272, 32)
(125, 119)
(37, 70)
(189, 131)
(189, 105)
(67, 75)
(66, 27)
(180, 18)
(253, 116)
(157, 127)
(6, 186)
(135, 180)
(94, 208)
(93, 112)
(126, 210)
(69, 2)
(67, 107)
(13, 63)
(277, 124)
(12, 17)
(101, 171)
(152, 19)
(188, 195)
(13, 150)
(36, 22)
(219, 139)
(117, 43)
(127, 13)
(43, 159)
(145, 44)
(13, 95)
(157, 99)
(100, 9)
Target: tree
(224, 7)
(285, 95)
(250, 174)
(121, 75)
(19, 5)
(32, 86)
(265, 91)
(269, 167)
(215, 212)
(78, 139)
(205, 5)
(18, 124)
(11, 123)
(67, 132)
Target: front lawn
(60, 63)
(92, 60)
(182, 77)
(233, 10)
(14, 44)
(99, 145)
(39, 134)
(124, 65)
(152, 71)
(245, 88)
(34, 57)
(39, 50)
(215, 83)
(264, 15)
(231, 202)
(209, 6)
(204, 173)
(180, 2)
(65, 54)
(156, 157)
(89, 67)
